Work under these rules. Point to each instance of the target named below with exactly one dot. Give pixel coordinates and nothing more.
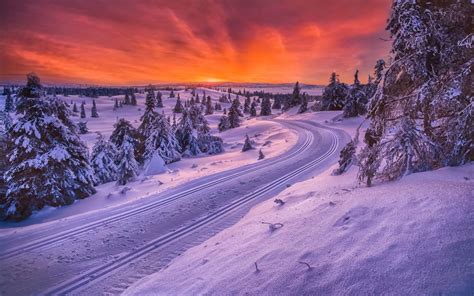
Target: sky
(124, 42)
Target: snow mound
(411, 237)
(156, 165)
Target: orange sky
(151, 41)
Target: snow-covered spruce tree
(127, 168)
(209, 107)
(304, 104)
(162, 140)
(198, 120)
(247, 144)
(104, 155)
(49, 165)
(172, 95)
(83, 110)
(121, 128)
(178, 108)
(421, 114)
(9, 107)
(186, 135)
(253, 109)
(82, 127)
(159, 100)
(224, 123)
(3, 161)
(247, 104)
(74, 108)
(94, 113)
(133, 99)
(116, 105)
(266, 107)
(334, 94)
(234, 114)
(126, 100)
(197, 100)
(295, 99)
(356, 100)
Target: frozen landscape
(116, 179)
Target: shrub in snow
(172, 94)
(334, 94)
(346, 157)
(224, 123)
(94, 113)
(103, 159)
(421, 113)
(127, 168)
(210, 144)
(260, 154)
(82, 127)
(247, 144)
(49, 163)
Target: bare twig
(306, 263)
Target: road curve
(109, 251)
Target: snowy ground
(412, 237)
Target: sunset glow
(135, 42)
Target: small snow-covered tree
(94, 113)
(126, 100)
(304, 104)
(334, 94)
(104, 155)
(159, 100)
(224, 123)
(247, 104)
(83, 110)
(163, 140)
(121, 128)
(172, 95)
(178, 108)
(234, 114)
(127, 168)
(266, 107)
(186, 135)
(74, 108)
(253, 109)
(82, 127)
(357, 99)
(276, 103)
(133, 99)
(209, 107)
(247, 144)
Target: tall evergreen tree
(121, 128)
(186, 135)
(334, 94)
(83, 110)
(357, 99)
(126, 100)
(247, 104)
(209, 107)
(74, 108)
(9, 107)
(133, 99)
(94, 113)
(234, 114)
(49, 163)
(178, 108)
(104, 155)
(266, 107)
(253, 109)
(127, 169)
(159, 100)
(162, 140)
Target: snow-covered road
(107, 251)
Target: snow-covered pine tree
(209, 108)
(82, 127)
(74, 108)
(172, 95)
(178, 108)
(296, 96)
(253, 109)
(419, 113)
(266, 107)
(159, 100)
(186, 135)
(357, 99)
(197, 100)
(83, 110)
(247, 104)
(247, 144)
(133, 98)
(49, 163)
(116, 105)
(198, 120)
(126, 100)
(104, 155)
(94, 113)
(121, 128)
(304, 104)
(224, 123)
(334, 94)
(163, 140)
(127, 168)
(234, 114)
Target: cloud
(126, 41)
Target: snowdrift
(411, 237)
